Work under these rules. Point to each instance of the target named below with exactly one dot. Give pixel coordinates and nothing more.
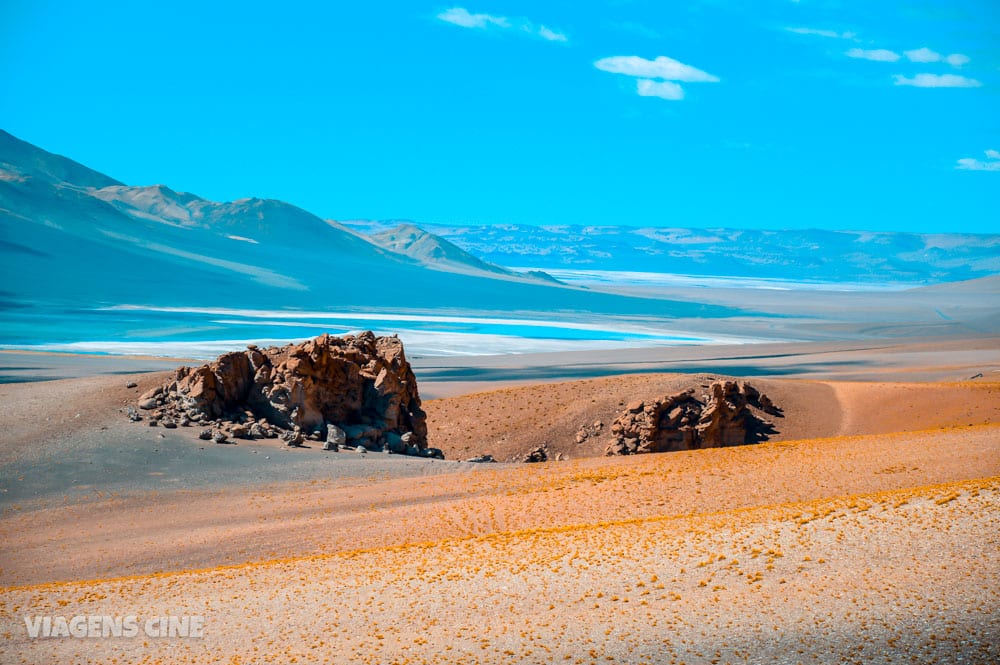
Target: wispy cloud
(878, 55)
(832, 34)
(546, 33)
(655, 78)
(660, 68)
(661, 89)
(461, 16)
(991, 163)
(937, 81)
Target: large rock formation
(356, 390)
(722, 417)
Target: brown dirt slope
(509, 422)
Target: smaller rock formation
(723, 417)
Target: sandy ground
(866, 531)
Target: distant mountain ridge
(437, 253)
(798, 255)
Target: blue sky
(770, 114)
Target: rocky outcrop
(357, 390)
(535, 455)
(727, 415)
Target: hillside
(432, 250)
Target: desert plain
(864, 530)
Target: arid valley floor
(867, 530)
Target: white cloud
(937, 81)
(551, 35)
(923, 54)
(463, 17)
(832, 34)
(662, 67)
(655, 77)
(991, 163)
(661, 89)
(879, 55)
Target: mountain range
(70, 236)
(811, 255)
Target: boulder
(335, 438)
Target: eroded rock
(359, 387)
(682, 421)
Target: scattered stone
(588, 431)
(240, 431)
(292, 439)
(168, 423)
(147, 404)
(205, 435)
(482, 459)
(133, 415)
(131, 384)
(219, 436)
